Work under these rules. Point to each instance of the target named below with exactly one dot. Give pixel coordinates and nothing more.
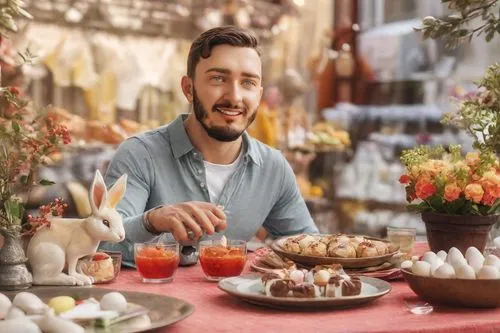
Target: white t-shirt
(217, 176)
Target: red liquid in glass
(218, 261)
(156, 262)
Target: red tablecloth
(218, 312)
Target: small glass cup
(402, 237)
(156, 262)
(219, 262)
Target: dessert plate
(310, 261)
(163, 310)
(249, 288)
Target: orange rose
(474, 192)
(404, 179)
(452, 192)
(491, 183)
(472, 158)
(488, 199)
(424, 189)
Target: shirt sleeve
(289, 215)
(131, 158)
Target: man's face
(227, 90)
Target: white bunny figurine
(59, 246)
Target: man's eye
(249, 83)
(218, 79)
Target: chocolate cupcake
(305, 290)
(351, 287)
(281, 288)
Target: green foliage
(457, 28)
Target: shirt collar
(181, 144)
(179, 140)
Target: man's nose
(234, 94)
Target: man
(203, 173)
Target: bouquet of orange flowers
(447, 182)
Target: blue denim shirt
(163, 167)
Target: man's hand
(195, 216)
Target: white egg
(429, 256)
(474, 258)
(442, 254)
(435, 265)
(492, 260)
(458, 262)
(422, 268)
(5, 304)
(14, 313)
(465, 272)
(488, 272)
(476, 262)
(472, 252)
(454, 256)
(446, 271)
(407, 264)
(113, 301)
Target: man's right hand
(196, 216)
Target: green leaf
(490, 35)
(418, 208)
(46, 182)
(13, 210)
(16, 127)
(24, 179)
(25, 13)
(493, 209)
(436, 202)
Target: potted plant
(458, 196)
(28, 137)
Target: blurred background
(348, 85)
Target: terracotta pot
(461, 231)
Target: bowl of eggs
(453, 279)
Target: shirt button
(198, 170)
(202, 184)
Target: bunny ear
(116, 192)
(98, 192)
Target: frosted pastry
(341, 250)
(366, 249)
(381, 247)
(316, 248)
(305, 241)
(291, 245)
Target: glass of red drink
(156, 262)
(219, 261)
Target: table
(215, 311)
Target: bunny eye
(106, 223)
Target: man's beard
(219, 133)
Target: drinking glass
(402, 237)
(218, 261)
(156, 262)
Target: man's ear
(187, 88)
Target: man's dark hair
(226, 35)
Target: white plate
(249, 288)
